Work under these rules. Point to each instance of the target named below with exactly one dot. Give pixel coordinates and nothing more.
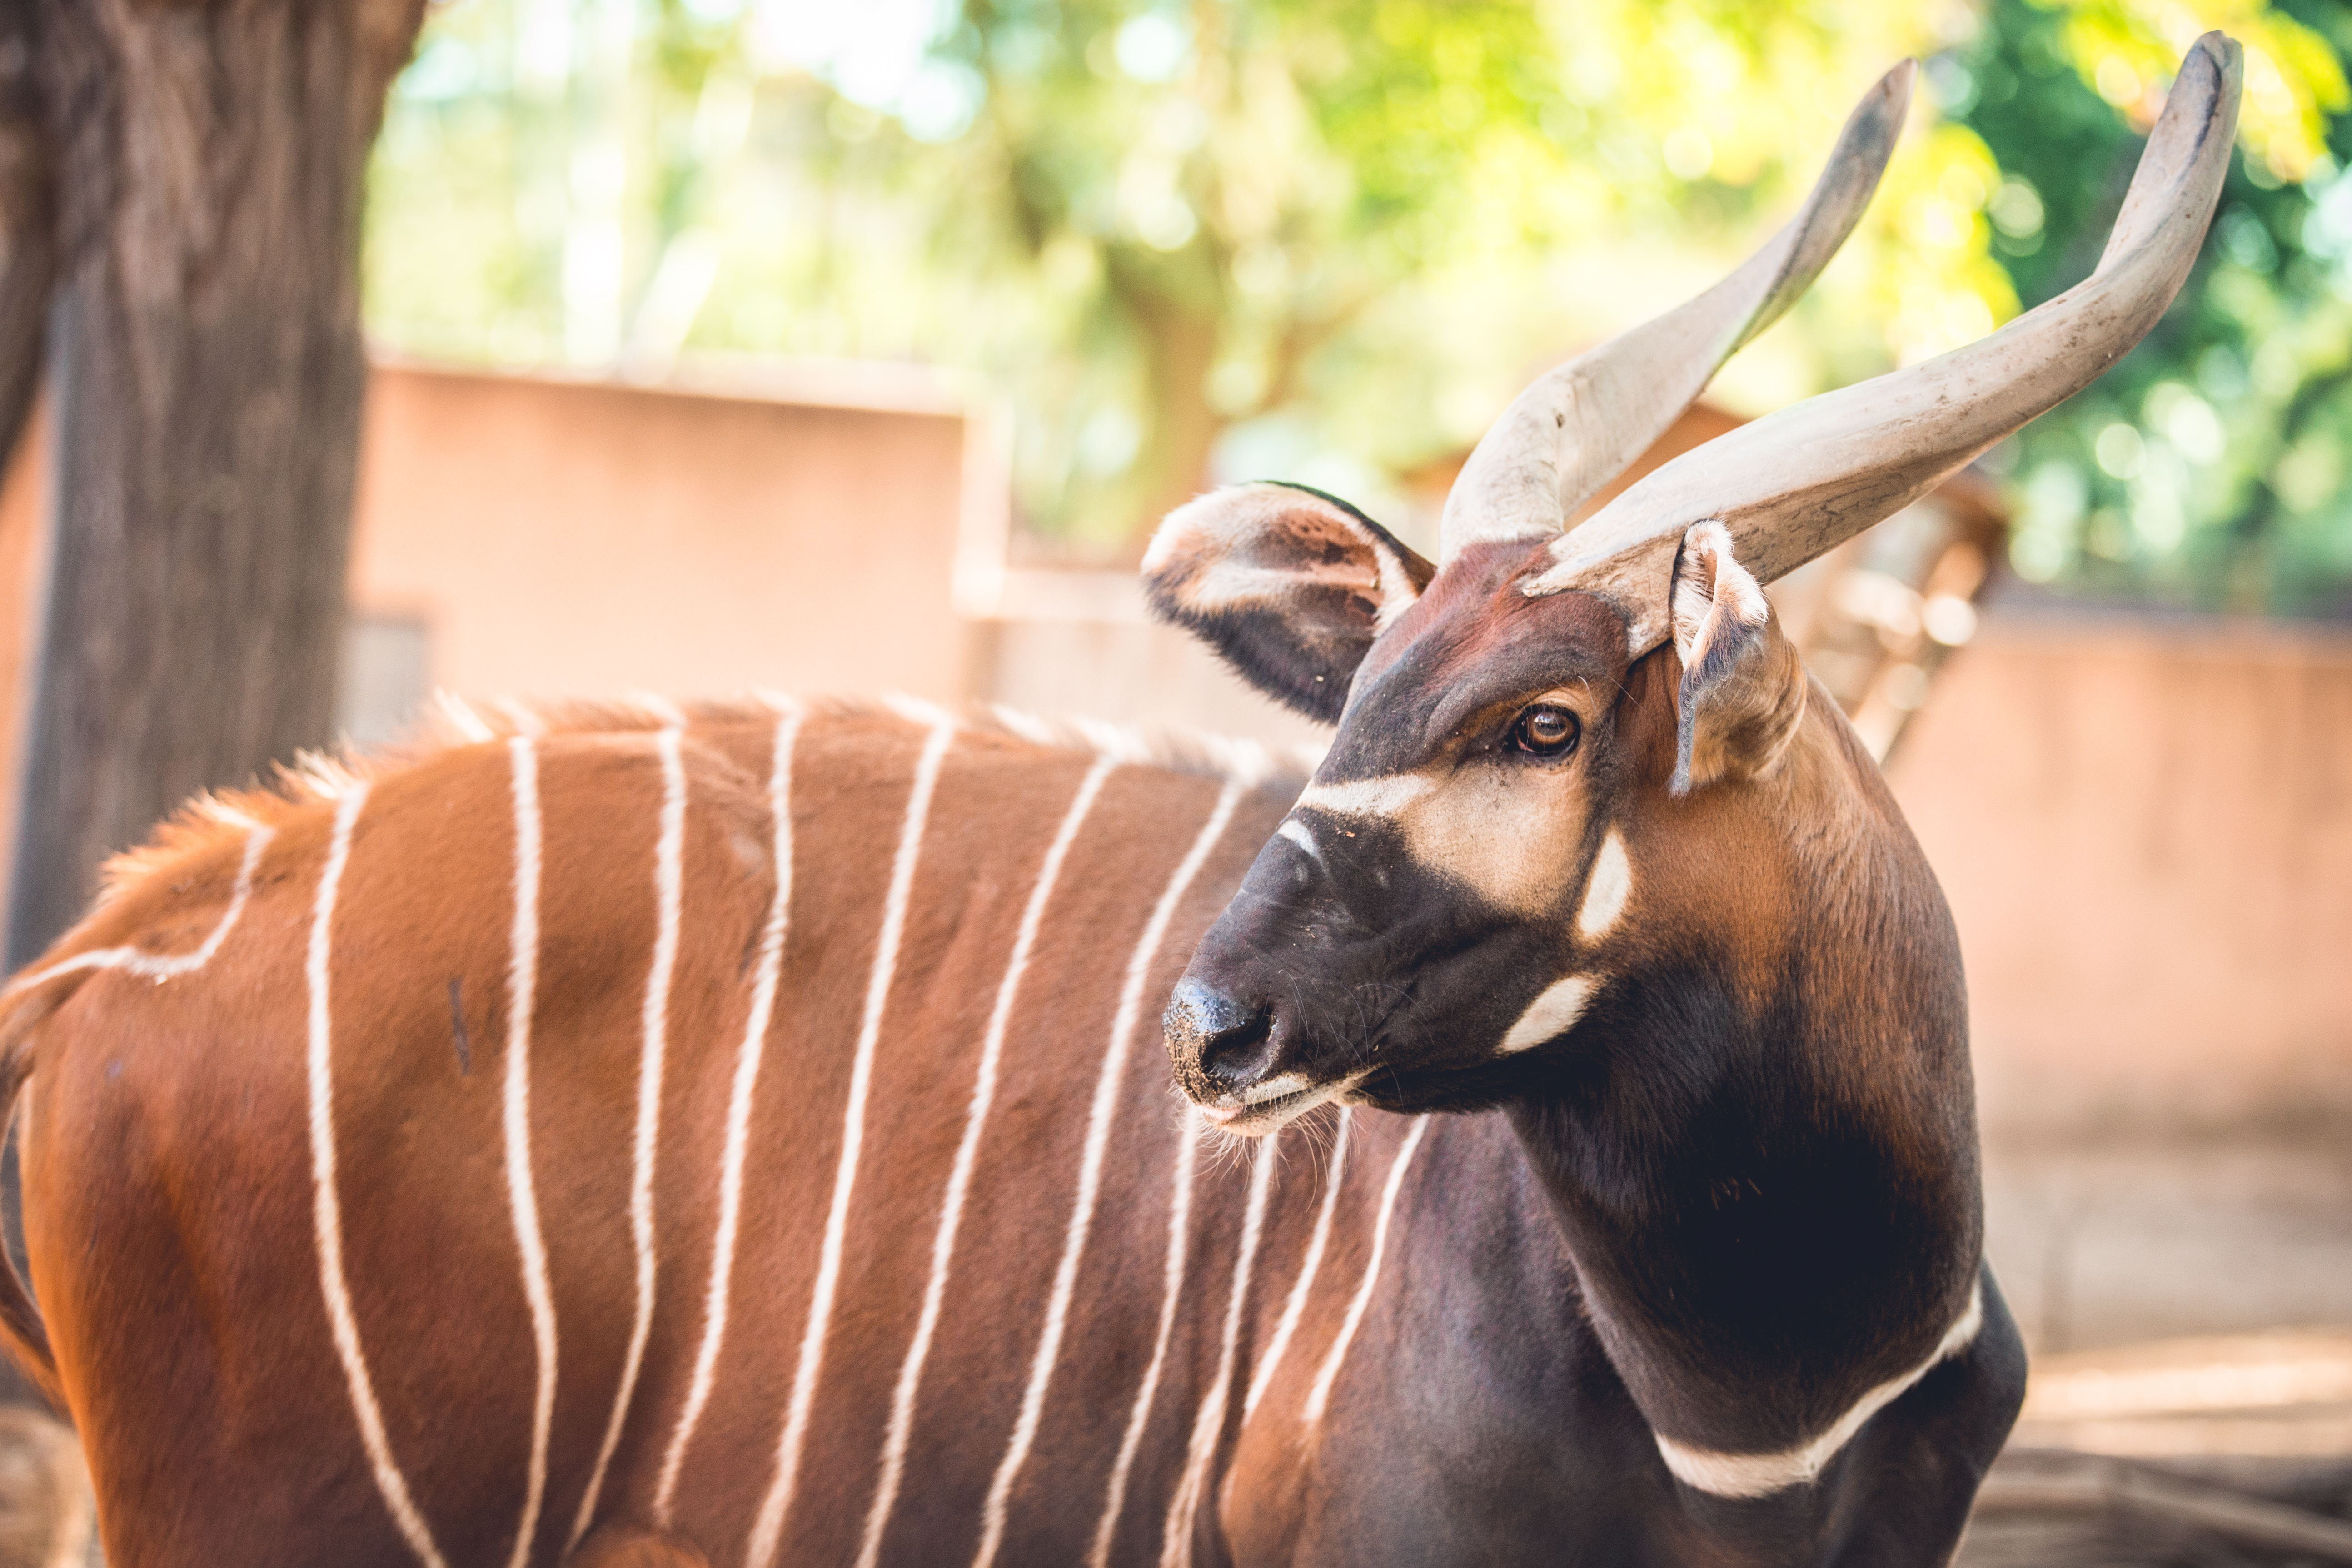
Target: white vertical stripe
(768, 1528)
(669, 882)
(1171, 1296)
(326, 1210)
(1176, 1536)
(522, 981)
(1319, 1396)
(1098, 1124)
(738, 1119)
(462, 718)
(156, 966)
(524, 718)
(991, 1051)
(1296, 1306)
(655, 706)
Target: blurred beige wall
(565, 539)
(2145, 836)
(1084, 642)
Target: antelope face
(1459, 881)
(1465, 874)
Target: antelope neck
(1761, 1256)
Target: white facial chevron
(1607, 890)
(1550, 1015)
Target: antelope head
(1573, 765)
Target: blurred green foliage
(2208, 468)
(1328, 239)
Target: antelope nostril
(1227, 1039)
(1237, 1054)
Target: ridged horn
(1796, 483)
(1579, 426)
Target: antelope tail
(21, 1329)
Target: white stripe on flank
(524, 718)
(916, 711)
(1176, 1536)
(1244, 763)
(656, 705)
(1091, 1164)
(1760, 1474)
(768, 1528)
(991, 1051)
(738, 1120)
(1319, 1396)
(669, 883)
(154, 966)
(1171, 1295)
(1295, 1307)
(461, 717)
(326, 1211)
(522, 981)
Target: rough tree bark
(206, 159)
(27, 223)
(1179, 346)
(1180, 318)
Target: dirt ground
(2117, 1243)
(2189, 1303)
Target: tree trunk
(28, 275)
(208, 373)
(27, 223)
(1180, 345)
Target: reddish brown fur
(619, 1547)
(169, 1201)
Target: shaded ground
(2046, 1508)
(2100, 1244)
(2190, 1308)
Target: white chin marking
(1263, 1110)
(1273, 1089)
(1607, 890)
(1550, 1015)
(1762, 1474)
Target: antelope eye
(1546, 729)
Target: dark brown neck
(1770, 1186)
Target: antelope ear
(1290, 585)
(1743, 690)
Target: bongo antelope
(670, 1136)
